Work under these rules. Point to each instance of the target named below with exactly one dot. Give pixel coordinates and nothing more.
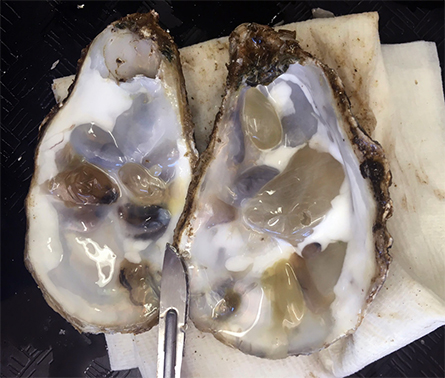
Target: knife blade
(172, 315)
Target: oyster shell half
(112, 170)
(284, 231)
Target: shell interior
(112, 170)
(279, 233)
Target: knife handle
(171, 329)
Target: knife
(172, 315)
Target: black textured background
(35, 341)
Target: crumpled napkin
(397, 96)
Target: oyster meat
(284, 230)
(112, 170)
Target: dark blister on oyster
(149, 221)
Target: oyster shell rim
(146, 26)
(251, 44)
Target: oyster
(284, 231)
(112, 170)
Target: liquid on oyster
(294, 202)
(325, 267)
(281, 286)
(299, 125)
(237, 148)
(145, 188)
(161, 160)
(97, 146)
(221, 213)
(260, 120)
(82, 218)
(87, 267)
(141, 128)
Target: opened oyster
(284, 232)
(112, 170)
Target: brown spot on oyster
(138, 280)
(143, 287)
(228, 305)
(84, 184)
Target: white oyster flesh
(279, 245)
(112, 171)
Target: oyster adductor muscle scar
(284, 230)
(112, 169)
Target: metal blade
(172, 315)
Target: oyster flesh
(284, 231)
(112, 170)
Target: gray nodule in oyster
(112, 170)
(284, 231)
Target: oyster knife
(172, 315)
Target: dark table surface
(36, 341)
